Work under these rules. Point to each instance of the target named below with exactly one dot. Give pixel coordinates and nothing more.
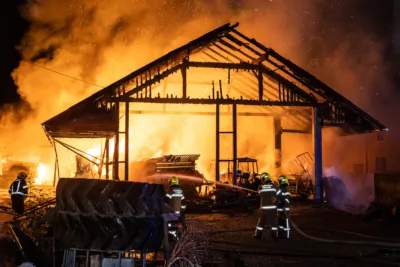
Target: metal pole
(317, 135)
(127, 141)
(234, 131)
(116, 148)
(87, 258)
(107, 157)
(144, 260)
(217, 144)
(74, 258)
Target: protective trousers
(268, 220)
(283, 221)
(17, 202)
(173, 226)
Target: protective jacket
(176, 199)
(19, 187)
(283, 195)
(267, 193)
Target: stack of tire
(108, 215)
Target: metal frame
(260, 75)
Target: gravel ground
(298, 251)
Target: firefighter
(176, 200)
(18, 191)
(283, 196)
(267, 193)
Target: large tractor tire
(110, 233)
(108, 215)
(109, 197)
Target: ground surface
(226, 243)
(300, 251)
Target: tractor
(246, 177)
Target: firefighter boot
(274, 233)
(258, 233)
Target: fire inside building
(224, 76)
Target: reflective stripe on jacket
(19, 187)
(267, 196)
(283, 195)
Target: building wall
(368, 153)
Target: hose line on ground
(349, 242)
(321, 229)
(356, 234)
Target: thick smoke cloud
(100, 41)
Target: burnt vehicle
(10, 169)
(247, 183)
(300, 182)
(158, 170)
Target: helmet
(283, 180)
(265, 177)
(173, 180)
(22, 175)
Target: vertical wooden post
(127, 141)
(116, 148)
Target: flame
(43, 175)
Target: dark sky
(12, 28)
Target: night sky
(12, 28)
(378, 14)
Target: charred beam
(219, 65)
(234, 137)
(302, 94)
(194, 113)
(234, 48)
(116, 150)
(107, 147)
(296, 131)
(126, 141)
(156, 78)
(240, 43)
(209, 101)
(184, 78)
(217, 143)
(260, 83)
(278, 142)
(228, 52)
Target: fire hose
(348, 242)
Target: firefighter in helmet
(283, 196)
(267, 193)
(19, 191)
(176, 200)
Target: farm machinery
(300, 182)
(200, 193)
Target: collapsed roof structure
(257, 76)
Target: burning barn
(224, 96)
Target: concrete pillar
(317, 138)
